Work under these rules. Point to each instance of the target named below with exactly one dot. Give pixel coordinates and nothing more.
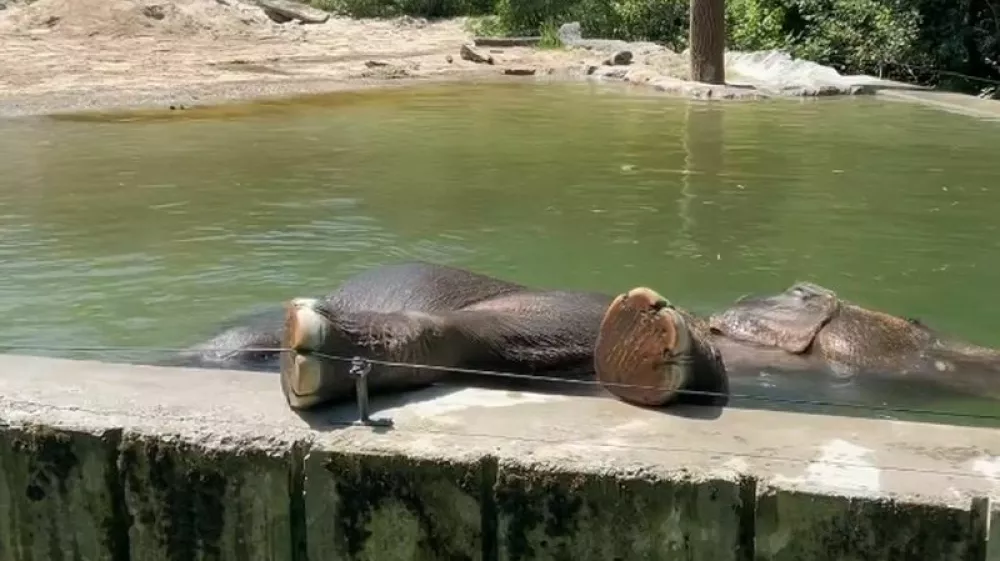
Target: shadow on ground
(345, 414)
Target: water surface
(153, 229)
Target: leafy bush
(912, 40)
(756, 25)
(958, 36)
(629, 20)
(526, 17)
(850, 35)
(642, 20)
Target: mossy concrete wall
(116, 462)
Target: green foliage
(485, 26)
(525, 17)
(902, 39)
(756, 25)
(630, 20)
(850, 35)
(550, 36)
(416, 8)
(912, 40)
(642, 20)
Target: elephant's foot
(643, 351)
(307, 377)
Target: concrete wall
(112, 462)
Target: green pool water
(151, 229)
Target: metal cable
(119, 348)
(511, 375)
(699, 393)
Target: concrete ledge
(116, 462)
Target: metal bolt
(360, 368)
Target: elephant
(436, 315)
(636, 345)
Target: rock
(276, 17)
(449, 59)
(154, 11)
(613, 73)
(569, 33)
(619, 58)
(571, 36)
(290, 10)
(519, 71)
(469, 54)
(380, 70)
(386, 73)
(821, 90)
(410, 21)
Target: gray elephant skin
(428, 314)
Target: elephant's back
(418, 286)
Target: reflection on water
(151, 231)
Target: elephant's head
(789, 321)
(810, 318)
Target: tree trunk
(708, 41)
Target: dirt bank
(68, 55)
(59, 55)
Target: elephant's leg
(650, 353)
(529, 334)
(324, 340)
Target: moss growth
(178, 493)
(578, 517)
(116, 524)
(192, 502)
(53, 459)
(57, 507)
(825, 527)
(423, 509)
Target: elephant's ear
(789, 321)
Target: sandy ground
(61, 55)
(71, 55)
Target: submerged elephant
(808, 328)
(637, 345)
